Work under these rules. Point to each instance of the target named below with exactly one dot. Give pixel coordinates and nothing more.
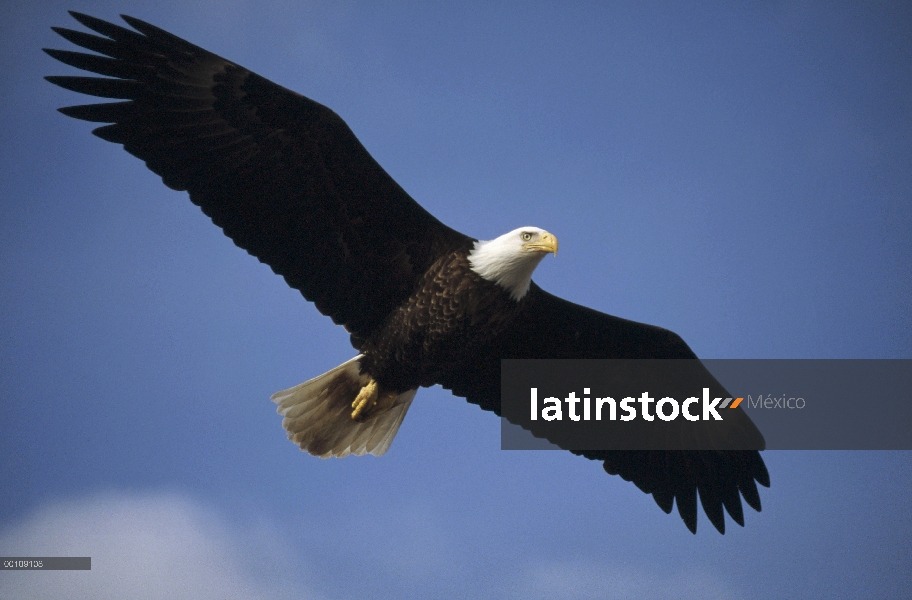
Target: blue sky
(741, 175)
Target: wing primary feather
(759, 471)
(99, 113)
(748, 490)
(97, 86)
(92, 42)
(712, 503)
(115, 32)
(102, 65)
(732, 501)
(111, 133)
(686, 497)
(664, 499)
(161, 36)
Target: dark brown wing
(282, 175)
(550, 327)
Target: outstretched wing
(282, 175)
(550, 327)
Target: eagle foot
(372, 399)
(365, 399)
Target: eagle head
(510, 259)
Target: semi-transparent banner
(718, 404)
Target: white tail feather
(317, 414)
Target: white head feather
(510, 259)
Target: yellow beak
(547, 243)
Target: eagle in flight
(286, 179)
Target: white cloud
(142, 546)
(171, 546)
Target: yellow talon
(365, 399)
(372, 399)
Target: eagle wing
(283, 176)
(551, 327)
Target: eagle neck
(498, 263)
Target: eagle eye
(526, 236)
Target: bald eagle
(288, 181)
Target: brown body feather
(452, 315)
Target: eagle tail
(318, 414)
